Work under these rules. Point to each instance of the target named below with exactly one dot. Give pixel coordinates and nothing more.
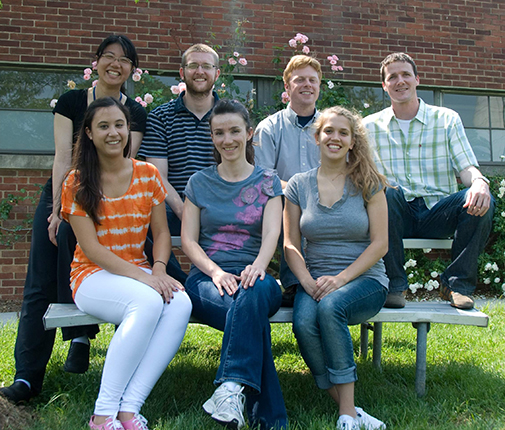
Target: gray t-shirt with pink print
(231, 214)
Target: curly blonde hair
(360, 167)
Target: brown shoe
(395, 300)
(460, 301)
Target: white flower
(495, 267)
(136, 77)
(488, 266)
(330, 85)
(427, 250)
(503, 287)
(410, 263)
(497, 280)
(53, 102)
(428, 286)
(413, 288)
(434, 274)
(503, 213)
(487, 281)
(366, 105)
(411, 275)
(502, 183)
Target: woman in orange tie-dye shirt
(110, 201)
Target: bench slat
(427, 243)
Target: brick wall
(455, 42)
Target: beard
(198, 91)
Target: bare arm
(478, 197)
(378, 221)
(173, 199)
(63, 130)
(271, 228)
(190, 233)
(136, 137)
(293, 247)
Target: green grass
(465, 381)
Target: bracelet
(159, 261)
(486, 180)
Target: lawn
(465, 381)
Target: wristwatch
(486, 180)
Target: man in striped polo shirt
(177, 138)
(420, 148)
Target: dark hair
(88, 193)
(393, 58)
(225, 106)
(127, 45)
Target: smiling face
(109, 132)
(199, 81)
(114, 71)
(400, 82)
(230, 136)
(303, 88)
(335, 138)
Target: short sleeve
(68, 205)
(159, 192)
(189, 191)
(69, 104)
(291, 190)
(138, 116)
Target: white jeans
(149, 334)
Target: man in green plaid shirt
(420, 148)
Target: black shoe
(17, 393)
(77, 358)
(288, 296)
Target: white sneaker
(227, 407)
(346, 422)
(367, 421)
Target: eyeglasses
(124, 61)
(205, 66)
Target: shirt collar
(292, 116)
(421, 115)
(181, 107)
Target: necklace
(94, 94)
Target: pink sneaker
(111, 423)
(138, 422)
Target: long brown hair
(88, 193)
(360, 167)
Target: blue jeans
(246, 352)
(447, 218)
(173, 266)
(321, 328)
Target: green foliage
(16, 232)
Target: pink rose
(175, 89)
(301, 38)
(329, 58)
(136, 77)
(285, 97)
(95, 82)
(232, 61)
(182, 86)
(94, 64)
(146, 72)
(292, 43)
(143, 103)
(334, 68)
(148, 98)
(332, 61)
(242, 61)
(334, 57)
(236, 54)
(305, 49)
(86, 77)
(88, 71)
(138, 99)
(139, 71)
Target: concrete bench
(421, 315)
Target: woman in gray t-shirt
(230, 228)
(340, 209)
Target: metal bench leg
(377, 345)
(422, 339)
(363, 347)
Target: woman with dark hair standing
(53, 243)
(110, 200)
(230, 227)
